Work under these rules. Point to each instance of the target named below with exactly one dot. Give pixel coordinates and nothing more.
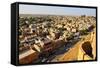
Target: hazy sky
(37, 9)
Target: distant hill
(35, 15)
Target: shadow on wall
(87, 48)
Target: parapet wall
(85, 49)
